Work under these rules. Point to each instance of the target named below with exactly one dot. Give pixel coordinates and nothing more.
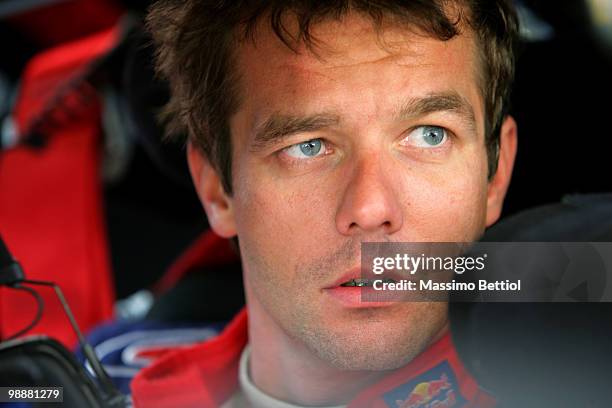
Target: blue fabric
(119, 345)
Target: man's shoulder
(199, 375)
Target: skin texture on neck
(286, 369)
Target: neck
(285, 369)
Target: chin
(375, 343)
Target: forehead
(353, 70)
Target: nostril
(387, 225)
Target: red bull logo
(436, 388)
(425, 395)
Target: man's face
(395, 152)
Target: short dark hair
(195, 40)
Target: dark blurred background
(561, 102)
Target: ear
(498, 185)
(216, 202)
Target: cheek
(446, 204)
(280, 224)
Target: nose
(369, 204)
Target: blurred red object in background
(61, 21)
(51, 214)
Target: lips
(355, 277)
(355, 290)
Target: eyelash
(282, 153)
(449, 135)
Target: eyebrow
(439, 102)
(280, 126)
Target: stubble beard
(372, 339)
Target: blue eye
(426, 137)
(433, 135)
(309, 148)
